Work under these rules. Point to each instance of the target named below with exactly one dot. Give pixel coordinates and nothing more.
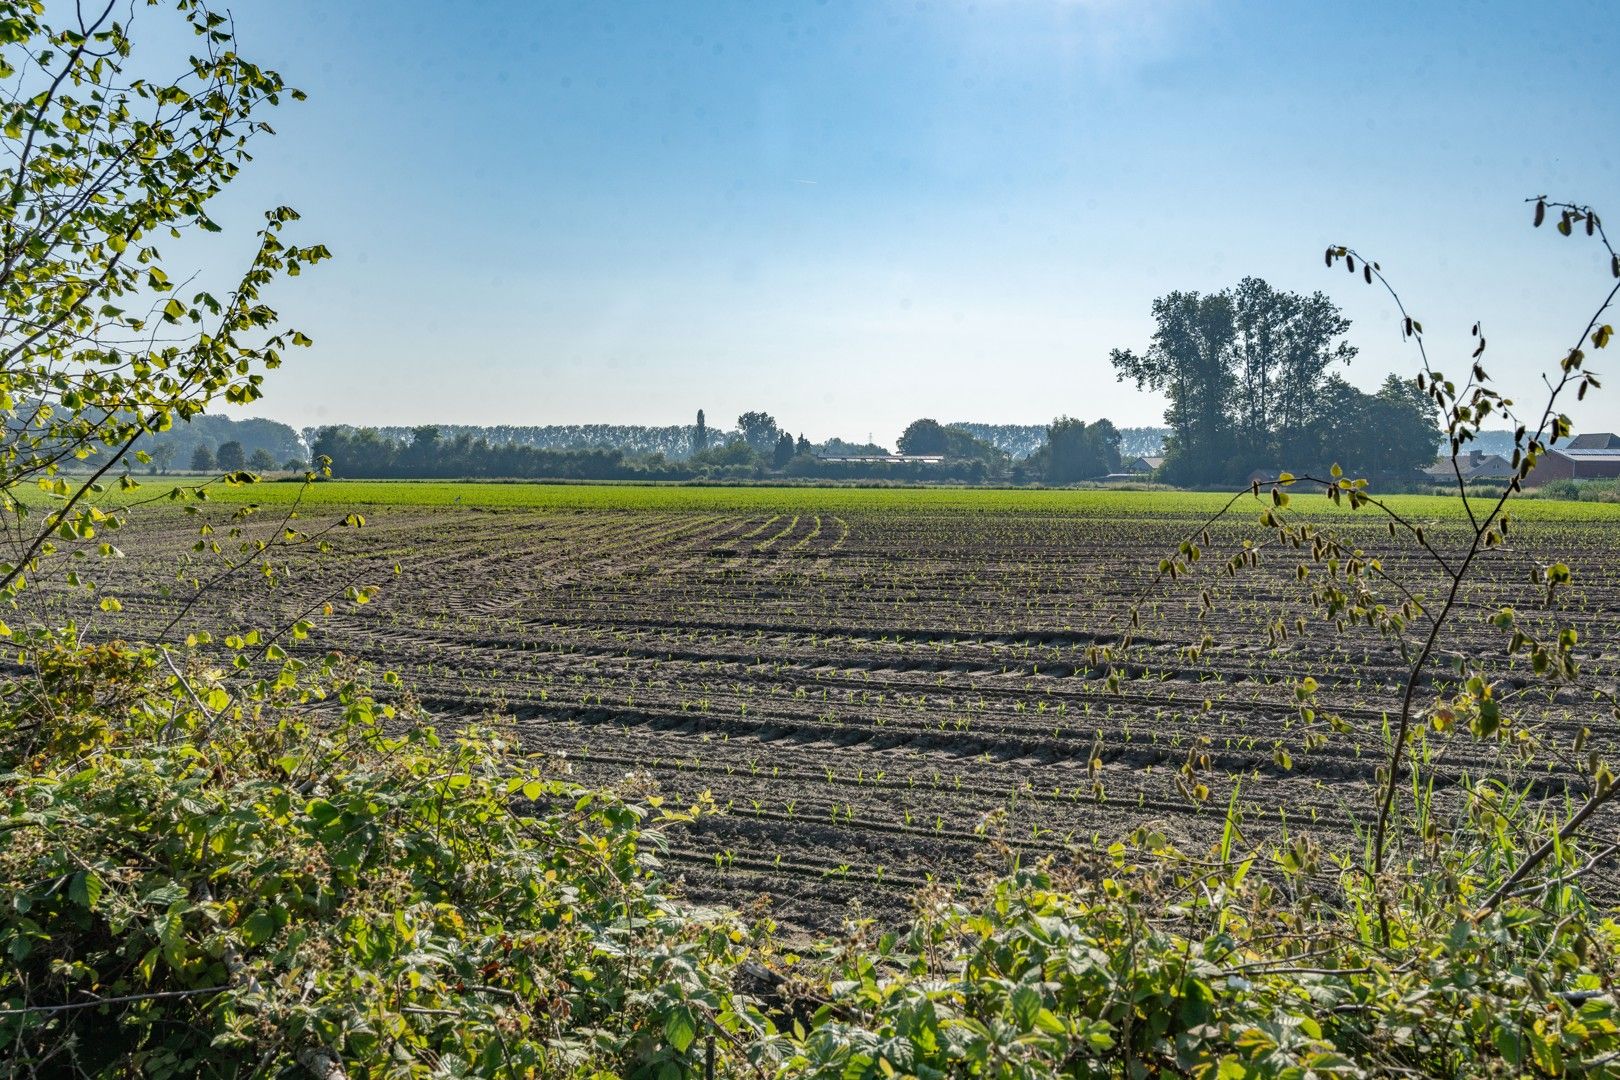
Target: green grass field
(1094, 503)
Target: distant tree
(1015, 440)
(261, 460)
(836, 447)
(1388, 436)
(700, 435)
(1404, 427)
(423, 455)
(162, 456)
(802, 446)
(734, 454)
(784, 450)
(202, 459)
(758, 431)
(1142, 441)
(923, 437)
(1075, 451)
(357, 451)
(231, 455)
(930, 437)
(294, 465)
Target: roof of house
(1472, 466)
(1594, 440)
(1589, 453)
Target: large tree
(1189, 361)
(700, 434)
(759, 431)
(1075, 450)
(1243, 369)
(923, 437)
(1387, 436)
(1311, 347)
(782, 453)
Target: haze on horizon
(854, 214)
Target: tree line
(230, 456)
(679, 441)
(759, 447)
(203, 443)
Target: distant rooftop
(885, 459)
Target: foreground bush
(298, 876)
(1152, 964)
(285, 877)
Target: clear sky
(851, 213)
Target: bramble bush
(208, 876)
(1150, 962)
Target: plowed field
(878, 690)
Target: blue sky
(852, 214)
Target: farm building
(1595, 456)
(1142, 464)
(1475, 465)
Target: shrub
(289, 873)
(1150, 962)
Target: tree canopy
(759, 431)
(1075, 450)
(1250, 377)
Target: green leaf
(680, 1028)
(257, 928)
(322, 811)
(85, 889)
(1046, 1020)
(1026, 1006)
(148, 966)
